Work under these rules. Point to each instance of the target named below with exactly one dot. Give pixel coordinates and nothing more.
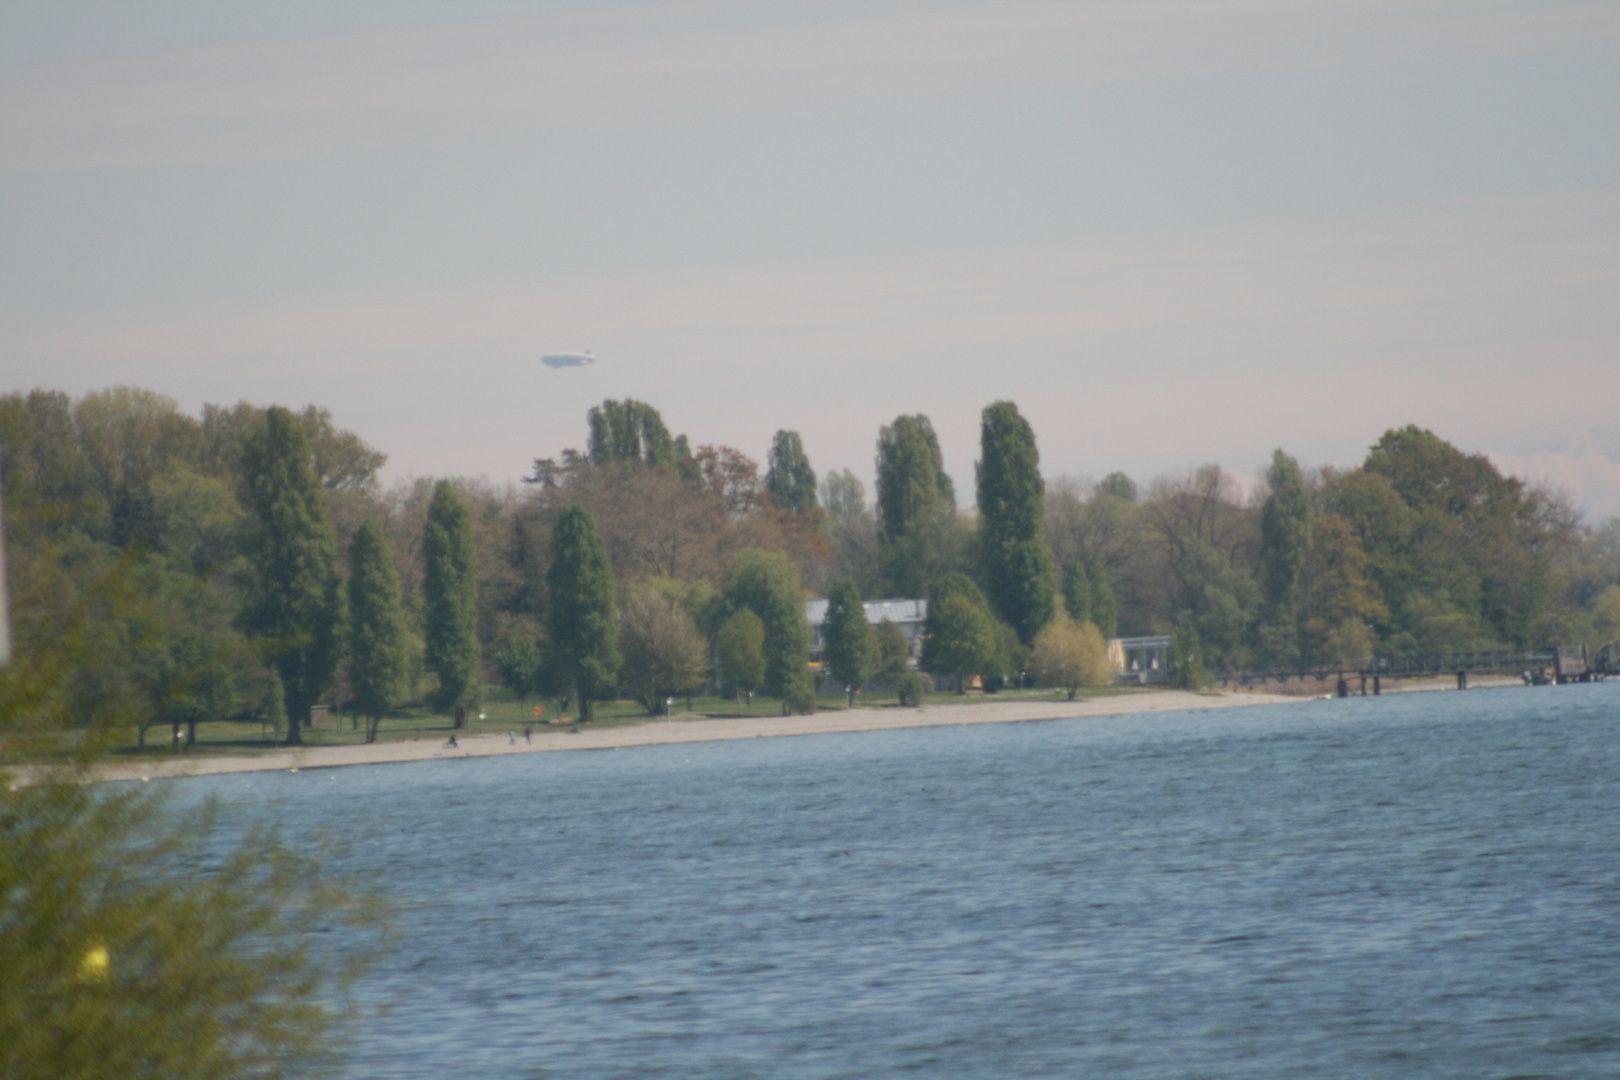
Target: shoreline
(660, 732)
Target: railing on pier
(1563, 663)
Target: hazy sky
(1172, 231)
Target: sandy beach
(679, 730)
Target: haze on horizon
(1174, 231)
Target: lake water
(1417, 885)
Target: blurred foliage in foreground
(136, 944)
(135, 940)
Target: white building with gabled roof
(908, 615)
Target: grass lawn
(503, 713)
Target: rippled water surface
(1418, 885)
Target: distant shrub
(801, 695)
(911, 686)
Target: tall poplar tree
(916, 506)
(1017, 568)
(378, 660)
(450, 602)
(295, 598)
(911, 478)
(851, 646)
(584, 625)
(789, 476)
(630, 430)
(843, 495)
(1285, 542)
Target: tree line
(274, 571)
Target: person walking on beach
(451, 742)
(526, 732)
(511, 737)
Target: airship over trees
(562, 360)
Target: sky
(1172, 231)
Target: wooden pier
(1553, 665)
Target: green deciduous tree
(961, 637)
(843, 495)
(49, 481)
(663, 652)
(789, 477)
(739, 647)
(851, 646)
(341, 459)
(893, 648)
(1448, 538)
(1070, 655)
(1606, 615)
(1118, 486)
(130, 437)
(1218, 601)
(584, 624)
(150, 645)
(1338, 601)
(197, 518)
(450, 603)
(522, 667)
(379, 661)
(766, 583)
(1077, 592)
(295, 602)
(1185, 659)
(186, 656)
(1017, 569)
(1104, 612)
